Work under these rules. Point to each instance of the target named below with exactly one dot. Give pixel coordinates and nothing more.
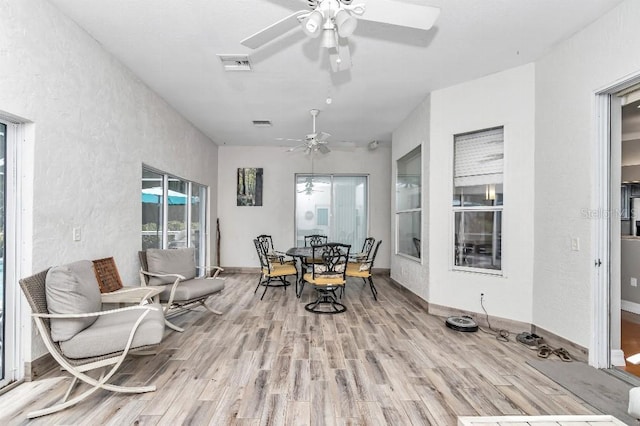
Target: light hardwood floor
(271, 362)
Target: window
(332, 205)
(478, 200)
(409, 204)
(173, 213)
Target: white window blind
(479, 158)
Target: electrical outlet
(634, 282)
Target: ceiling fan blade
(273, 31)
(400, 13)
(340, 57)
(297, 147)
(322, 137)
(324, 149)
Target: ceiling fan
(336, 20)
(315, 141)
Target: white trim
(629, 306)
(617, 358)
(18, 232)
(599, 347)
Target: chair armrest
(153, 274)
(212, 271)
(96, 314)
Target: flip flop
(544, 351)
(563, 354)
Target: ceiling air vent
(235, 62)
(262, 123)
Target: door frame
(605, 310)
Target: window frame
(414, 152)
(202, 205)
(485, 208)
(331, 177)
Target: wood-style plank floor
(630, 339)
(270, 362)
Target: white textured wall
(240, 225)
(413, 132)
(502, 99)
(94, 125)
(566, 80)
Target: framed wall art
(249, 188)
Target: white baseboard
(617, 358)
(628, 306)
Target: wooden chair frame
(34, 290)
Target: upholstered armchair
(66, 308)
(175, 270)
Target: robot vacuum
(461, 323)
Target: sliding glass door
(332, 205)
(173, 213)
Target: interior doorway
(629, 215)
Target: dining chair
(364, 253)
(315, 239)
(327, 276)
(364, 270)
(273, 268)
(306, 262)
(417, 243)
(267, 243)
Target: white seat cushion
(109, 334)
(72, 289)
(193, 289)
(171, 261)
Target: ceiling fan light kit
(313, 23)
(345, 23)
(337, 19)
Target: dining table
(300, 254)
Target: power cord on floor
(502, 335)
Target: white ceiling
(172, 45)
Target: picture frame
(249, 186)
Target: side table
(133, 295)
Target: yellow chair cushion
(336, 280)
(278, 270)
(360, 270)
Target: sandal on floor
(544, 351)
(563, 354)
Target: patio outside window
(478, 200)
(173, 213)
